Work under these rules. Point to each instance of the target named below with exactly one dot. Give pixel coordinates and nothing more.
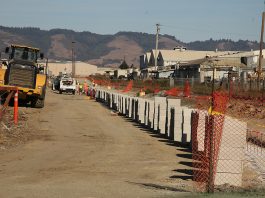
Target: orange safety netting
(173, 92)
(151, 88)
(207, 129)
(220, 100)
(128, 87)
(186, 91)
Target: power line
(181, 28)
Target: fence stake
(263, 92)
(16, 107)
(210, 185)
(211, 161)
(262, 146)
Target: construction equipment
(23, 71)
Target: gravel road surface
(82, 150)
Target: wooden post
(210, 185)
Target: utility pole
(157, 35)
(260, 50)
(73, 60)
(47, 67)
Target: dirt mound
(245, 108)
(12, 135)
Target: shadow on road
(159, 187)
(184, 151)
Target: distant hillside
(106, 50)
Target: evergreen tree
(124, 65)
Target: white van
(67, 84)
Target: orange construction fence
(13, 91)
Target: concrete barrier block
(146, 113)
(136, 109)
(234, 133)
(231, 154)
(100, 94)
(115, 101)
(162, 121)
(111, 101)
(160, 114)
(228, 178)
(171, 104)
(151, 107)
(230, 166)
(105, 96)
(123, 105)
(120, 102)
(234, 125)
(155, 116)
(232, 140)
(178, 125)
(141, 110)
(200, 129)
(132, 108)
(127, 106)
(186, 130)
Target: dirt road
(83, 151)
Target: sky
(187, 20)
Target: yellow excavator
(22, 70)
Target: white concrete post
(232, 153)
(171, 104)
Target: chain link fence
(228, 132)
(228, 129)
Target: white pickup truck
(67, 84)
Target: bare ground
(75, 147)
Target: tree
(124, 65)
